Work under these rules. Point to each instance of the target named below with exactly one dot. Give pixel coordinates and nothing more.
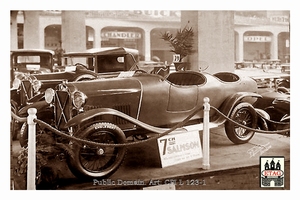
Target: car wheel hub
(100, 151)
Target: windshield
(102, 63)
(89, 62)
(31, 62)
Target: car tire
(23, 140)
(243, 113)
(88, 162)
(13, 123)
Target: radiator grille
(62, 108)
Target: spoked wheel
(244, 114)
(94, 161)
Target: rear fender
(228, 105)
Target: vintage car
(139, 105)
(33, 61)
(105, 59)
(154, 67)
(274, 107)
(28, 88)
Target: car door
(182, 98)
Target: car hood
(111, 86)
(70, 76)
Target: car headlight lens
(16, 83)
(78, 99)
(49, 95)
(36, 85)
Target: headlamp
(16, 83)
(49, 95)
(36, 85)
(78, 99)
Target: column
(274, 46)
(240, 49)
(97, 37)
(73, 31)
(214, 39)
(31, 33)
(13, 30)
(147, 45)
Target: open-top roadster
(137, 104)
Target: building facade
(257, 34)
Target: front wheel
(94, 161)
(244, 114)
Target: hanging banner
(179, 148)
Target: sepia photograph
(150, 99)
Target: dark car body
(173, 98)
(34, 61)
(274, 107)
(28, 88)
(140, 104)
(95, 63)
(103, 60)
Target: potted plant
(181, 44)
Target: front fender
(228, 105)
(109, 111)
(39, 105)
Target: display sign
(179, 148)
(257, 39)
(176, 58)
(121, 35)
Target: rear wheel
(94, 161)
(244, 114)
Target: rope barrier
(248, 128)
(179, 125)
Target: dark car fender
(229, 104)
(40, 106)
(81, 118)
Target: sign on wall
(179, 148)
(257, 39)
(121, 35)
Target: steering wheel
(81, 66)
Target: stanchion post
(31, 165)
(206, 108)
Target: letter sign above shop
(121, 35)
(257, 39)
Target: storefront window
(257, 45)
(52, 37)
(89, 37)
(284, 47)
(123, 37)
